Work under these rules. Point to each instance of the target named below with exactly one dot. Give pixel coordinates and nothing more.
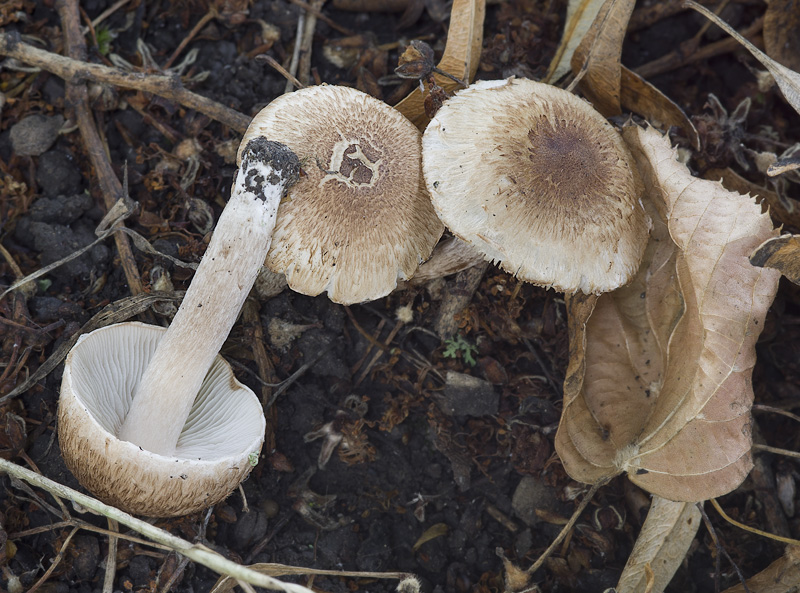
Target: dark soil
(436, 480)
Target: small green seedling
(459, 344)
(104, 37)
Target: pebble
(58, 174)
(35, 134)
(532, 494)
(465, 395)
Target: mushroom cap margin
(138, 481)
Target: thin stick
(283, 71)
(782, 412)
(768, 449)
(197, 553)
(298, 40)
(377, 355)
(675, 59)
(323, 17)
(78, 97)
(211, 14)
(777, 538)
(55, 562)
(169, 87)
(111, 559)
(721, 551)
(567, 528)
(109, 11)
(304, 66)
(88, 527)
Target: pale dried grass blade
(787, 80)
(580, 16)
(662, 544)
(665, 392)
(598, 56)
(226, 584)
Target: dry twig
(78, 99)
(169, 87)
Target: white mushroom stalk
(164, 396)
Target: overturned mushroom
(360, 219)
(537, 180)
(139, 405)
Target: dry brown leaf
(610, 86)
(787, 80)
(434, 531)
(781, 41)
(461, 56)
(580, 16)
(449, 257)
(661, 386)
(780, 253)
(598, 56)
(643, 98)
(735, 182)
(782, 576)
(663, 541)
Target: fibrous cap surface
(538, 181)
(360, 218)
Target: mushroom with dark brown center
(539, 181)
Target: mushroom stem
(165, 394)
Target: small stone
(250, 528)
(61, 209)
(465, 395)
(58, 174)
(139, 570)
(86, 555)
(270, 508)
(532, 494)
(35, 134)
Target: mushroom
(536, 179)
(152, 420)
(360, 218)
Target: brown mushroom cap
(539, 181)
(360, 218)
(220, 439)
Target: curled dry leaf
(780, 253)
(609, 85)
(659, 379)
(663, 541)
(787, 80)
(580, 16)
(599, 53)
(781, 576)
(643, 98)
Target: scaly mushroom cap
(539, 181)
(360, 218)
(222, 436)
